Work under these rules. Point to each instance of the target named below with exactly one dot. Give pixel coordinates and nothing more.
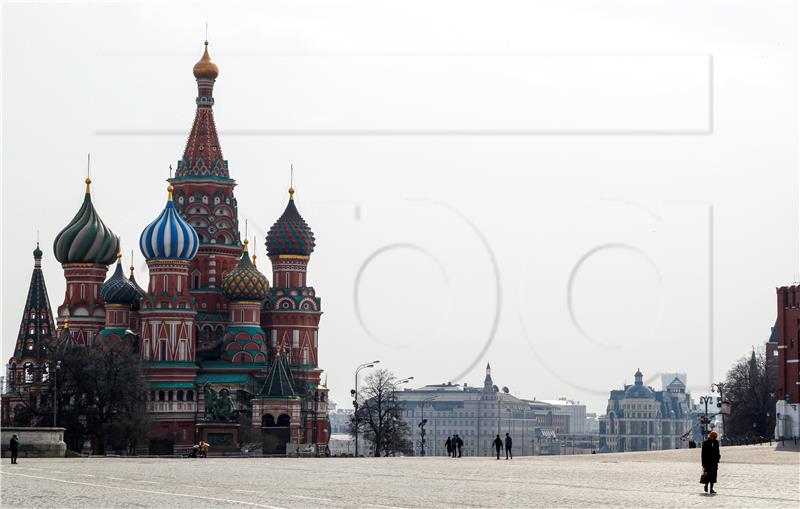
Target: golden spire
(119, 258)
(169, 192)
(66, 324)
(254, 251)
(131, 262)
(291, 182)
(245, 245)
(88, 168)
(206, 68)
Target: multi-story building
(477, 415)
(639, 418)
(208, 317)
(576, 412)
(787, 408)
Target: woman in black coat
(709, 455)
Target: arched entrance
(274, 434)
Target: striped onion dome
(290, 235)
(118, 289)
(245, 282)
(169, 236)
(86, 239)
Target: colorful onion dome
(245, 282)
(206, 67)
(118, 289)
(290, 235)
(86, 239)
(169, 236)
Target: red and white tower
(167, 314)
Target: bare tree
(753, 406)
(379, 418)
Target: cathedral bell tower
(204, 198)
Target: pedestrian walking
(13, 446)
(498, 444)
(459, 444)
(448, 444)
(508, 447)
(454, 444)
(203, 449)
(709, 456)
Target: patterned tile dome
(86, 239)
(245, 282)
(169, 236)
(119, 289)
(290, 235)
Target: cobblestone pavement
(750, 477)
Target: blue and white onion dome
(169, 237)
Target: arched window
(170, 396)
(189, 395)
(28, 368)
(161, 396)
(180, 395)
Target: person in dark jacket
(448, 444)
(459, 444)
(13, 446)
(709, 456)
(498, 444)
(508, 447)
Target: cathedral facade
(207, 320)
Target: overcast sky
(567, 190)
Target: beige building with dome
(639, 418)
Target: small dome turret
(290, 235)
(86, 239)
(169, 236)
(118, 289)
(245, 282)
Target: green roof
(239, 366)
(171, 385)
(222, 378)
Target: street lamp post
(55, 392)
(396, 418)
(422, 424)
(355, 397)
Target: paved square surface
(749, 477)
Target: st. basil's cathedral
(209, 323)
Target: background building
(478, 415)
(640, 418)
(787, 408)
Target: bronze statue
(219, 405)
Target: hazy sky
(568, 190)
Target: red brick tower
(85, 248)
(292, 312)
(204, 197)
(167, 339)
(788, 326)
